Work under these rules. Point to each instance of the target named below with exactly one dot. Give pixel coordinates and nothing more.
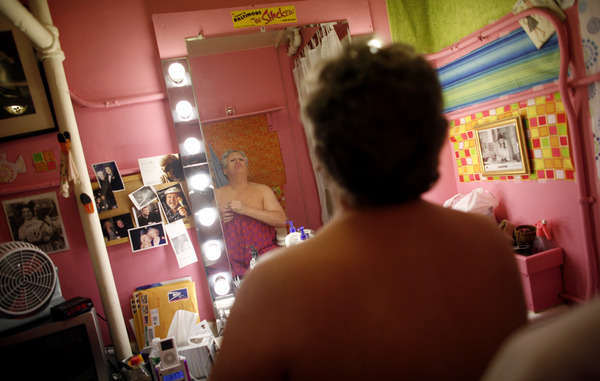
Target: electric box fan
(29, 284)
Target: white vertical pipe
(45, 37)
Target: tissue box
(542, 279)
(199, 357)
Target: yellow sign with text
(263, 16)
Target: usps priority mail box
(159, 304)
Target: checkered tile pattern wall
(546, 131)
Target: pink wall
(558, 201)
(112, 60)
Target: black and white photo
(142, 196)
(502, 147)
(37, 220)
(161, 169)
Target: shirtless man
(250, 212)
(393, 287)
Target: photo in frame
(25, 107)
(37, 220)
(502, 147)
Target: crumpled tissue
(185, 329)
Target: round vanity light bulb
(212, 250)
(207, 216)
(374, 45)
(177, 72)
(222, 286)
(192, 146)
(184, 109)
(200, 181)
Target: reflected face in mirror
(250, 212)
(235, 164)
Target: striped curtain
(508, 65)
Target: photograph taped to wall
(37, 220)
(173, 202)
(114, 228)
(161, 169)
(180, 241)
(124, 202)
(26, 108)
(148, 214)
(537, 27)
(107, 174)
(142, 196)
(147, 237)
(502, 148)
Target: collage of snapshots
(146, 212)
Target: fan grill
(27, 278)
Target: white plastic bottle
(154, 355)
(293, 238)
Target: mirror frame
(171, 31)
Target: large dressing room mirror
(247, 98)
(240, 84)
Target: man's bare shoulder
(224, 189)
(261, 187)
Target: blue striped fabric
(508, 65)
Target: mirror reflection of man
(176, 204)
(250, 212)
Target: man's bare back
(379, 294)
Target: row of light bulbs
(213, 250)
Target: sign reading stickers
(263, 16)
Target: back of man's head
(377, 123)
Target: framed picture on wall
(502, 147)
(37, 220)
(25, 108)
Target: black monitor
(64, 350)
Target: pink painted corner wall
(557, 200)
(113, 71)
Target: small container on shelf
(138, 370)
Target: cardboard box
(541, 277)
